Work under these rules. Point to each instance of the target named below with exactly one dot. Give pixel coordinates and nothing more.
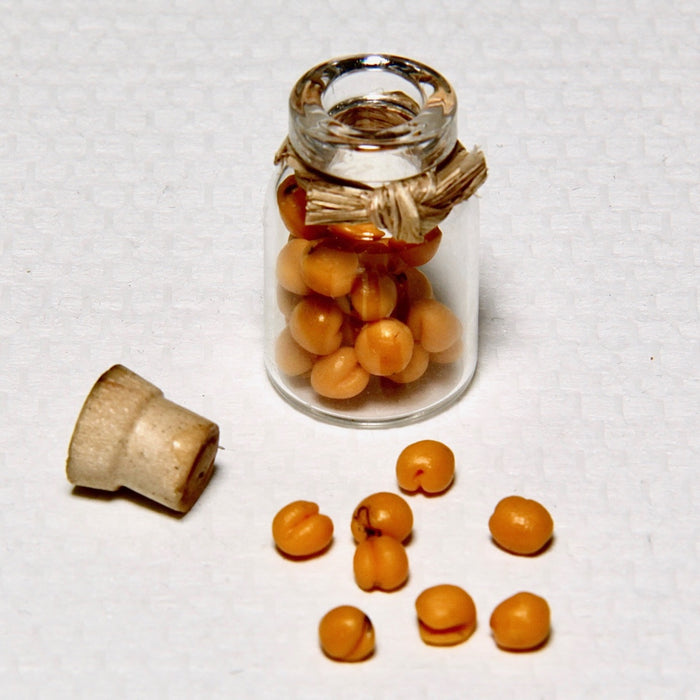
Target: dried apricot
(300, 530)
(446, 615)
(382, 513)
(521, 622)
(520, 525)
(346, 634)
(428, 465)
(380, 562)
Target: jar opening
(375, 114)
(349, 114)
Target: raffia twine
(407, 208)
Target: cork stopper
(128, 434)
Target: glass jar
(371, 245)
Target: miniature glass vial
(371, 245)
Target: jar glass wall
(371, 301)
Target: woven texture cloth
(136, 143)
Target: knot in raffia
(406, 208)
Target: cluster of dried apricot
(381, 525)
(356, 304)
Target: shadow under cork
(125, 494)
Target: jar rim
(419, 115)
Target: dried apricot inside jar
(291, 202)
(521, 622)
(384, 347)
(427, 465)
(346, 634)
(299, 530)
(288, 266)
(315, 324)
(292, 359)
(521, 525)
(446, 615)
(373, 295)
(339, 375)
(434, 325)
(329, 271)
(415, 369)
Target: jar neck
(372, 118)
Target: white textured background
(136, 141)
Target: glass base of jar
(383, 403)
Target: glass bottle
(371, 245)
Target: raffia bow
(407, 208)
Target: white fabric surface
(136, 141)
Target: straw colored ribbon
(407, 208)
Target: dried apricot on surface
(380, 562)
(521, 622)
(299, 530)
(382, 513)
(446, 615)
(346, 634)
(521, 525)
(427, 465)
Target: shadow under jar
(371, 245)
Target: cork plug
(129, 435)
